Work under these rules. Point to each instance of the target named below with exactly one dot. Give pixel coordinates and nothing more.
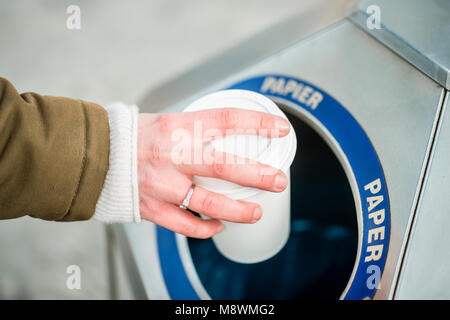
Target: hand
(165, 170)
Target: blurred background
(122, 50)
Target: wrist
(119, 199)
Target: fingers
(206, 202)
(239, 170)
(168, 186)
(228, 121)
(218, 206)
(154, 184)
(181, 221)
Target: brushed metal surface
(395, 104)
(425, 268)
(417, 30)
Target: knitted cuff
(119, 199)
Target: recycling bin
(368, 111)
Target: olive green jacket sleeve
(53, 155)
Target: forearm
(54, 155)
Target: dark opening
(318, 259)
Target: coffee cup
(251, 243)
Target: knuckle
(262, 121)
(157, 208)
(165, 122)
(218, 168)
(154, 155)
(188, 229)
(246, 214)
(197, 230)
(267, 180)
(228, 118)
(211, 203)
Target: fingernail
(220, 228)
(257, 214)
(280, 182)
(282, 125)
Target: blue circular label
(374, 226)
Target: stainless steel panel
(142, 264)
(425, 269)
(418, 30)
(394, 103)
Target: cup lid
(276, 152)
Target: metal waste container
(370, 181)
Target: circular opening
(319, 256)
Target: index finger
(226, 121)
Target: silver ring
(186, 200)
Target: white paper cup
(251, 243)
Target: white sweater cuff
(119, 199)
